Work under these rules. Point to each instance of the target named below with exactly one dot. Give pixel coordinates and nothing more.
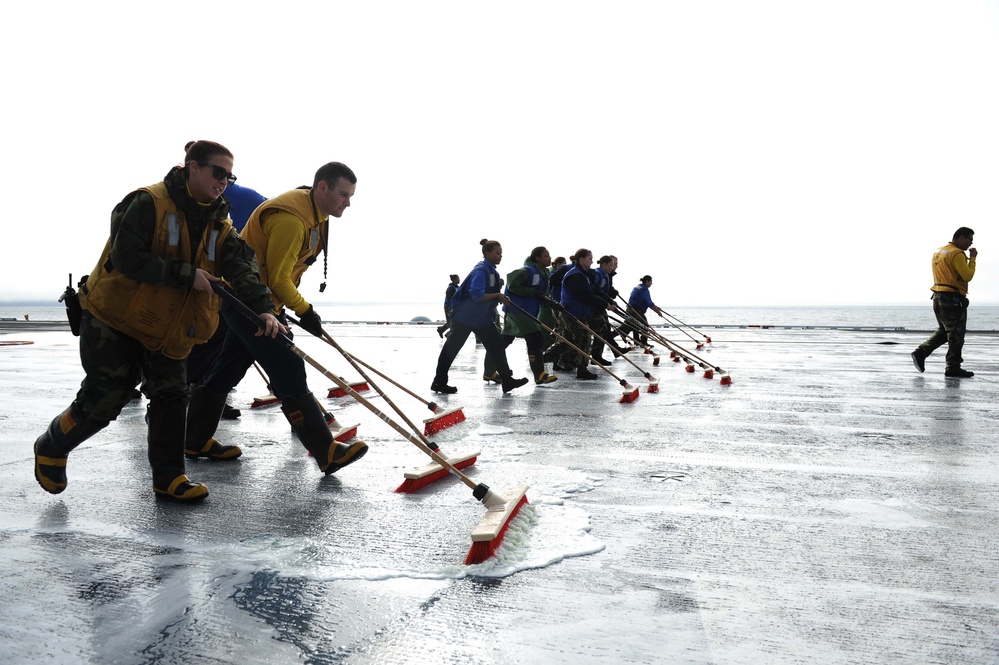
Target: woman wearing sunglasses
(146, 303)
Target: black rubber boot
(510, 383)
(442, 387)
(167, 426)
(229, 412)
(585, 374)
(52, 448)
(203, 415)
(307, 420)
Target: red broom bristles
(264, 400)
(442, 422)
(345, 435)
(358, 387)
(413, 484)
(629, 396)
(484, 549)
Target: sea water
(902, 317)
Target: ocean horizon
(982, 318)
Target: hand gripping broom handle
(579, 350)
(354, 363)
(592, 332)
(479, 490)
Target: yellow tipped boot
(182, 489)
(306, 418)
(52, 448)
(203, 415)
(166, 449)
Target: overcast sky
(742, 153)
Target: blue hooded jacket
(470, 310)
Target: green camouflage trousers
(115, 363)
(951, 310)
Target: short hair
(331, 172)
(454, 277)
(963, 231)
(580, 253)
(647, 278)
(559, 260)
(606, 258)
(488, 245)
(537, 252)
(203, 151)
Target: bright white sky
(743, 153)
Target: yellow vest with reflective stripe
(297, 202)
(945, 277)
(168, 319)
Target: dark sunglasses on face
(218, 172)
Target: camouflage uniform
(115, 362)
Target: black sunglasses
(218, 172)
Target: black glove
(311, 322)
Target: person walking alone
(952, 270)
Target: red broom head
(647, 351)
(443, 422)
(655, 360)
(699, 346)
(630, 396)
(266, 400)
(345, 435)
(707, 340)
(675, 358)
(690, 367)
(413, 484)
(672, 354)
(709, 374)
(726, 380)
(653, 387)
(484, 549)
(358, 387)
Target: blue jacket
(470, 310)
(579, 293)
(641, 299)
(243, 201)
(555, 282)
(449, 295)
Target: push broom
(340, 432)
(424, 475)
(630, 392)
(653, 386)
(442, 419)
(269, 398)
(697, 342)
(336, 391)
(500, 509)
(707, 340)
(677, 352)
(633, 338)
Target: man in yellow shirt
(287, 233)
(952, 270)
